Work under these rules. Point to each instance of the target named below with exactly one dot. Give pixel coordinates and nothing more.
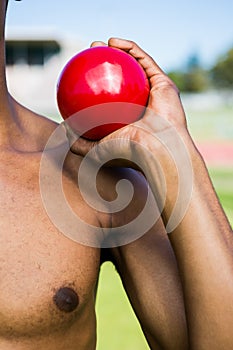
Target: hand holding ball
(100, 90)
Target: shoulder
(36, 128)
(129, 202)
(116, 194)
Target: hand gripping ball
(100, 90)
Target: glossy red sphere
(100, 90)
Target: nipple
(66, 299)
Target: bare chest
(46, 279)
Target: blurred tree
(222, 72)
(193, 62)
(196, 80)
(193, 78)
(179, 79)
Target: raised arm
(199, 231)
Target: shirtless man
(48, 281)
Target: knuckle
(162, 81)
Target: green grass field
(223, 183)
(210, 123)
(117, 326)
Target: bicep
(148, 267)
(149, 272)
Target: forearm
(204, 250)
(183, 171)
(202, 242)
(199, 231)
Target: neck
(7, 114)
(5, 101)
(16, 131)
(3, 85)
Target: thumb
(78, 144)
(112, 150)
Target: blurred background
(191, 41)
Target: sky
(170, 31)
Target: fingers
(163, 100)
(98, 43)
(78, 145)
(81, 147)
(146, 61)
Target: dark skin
(48, 281)
(202, 239)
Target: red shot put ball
(100, 90)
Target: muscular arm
(150, 277)
(203, 246)
(148, 269)
(201, 238)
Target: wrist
(170, 162)
(164, 145)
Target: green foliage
(194, 78)
(222, 72)
(179, 79)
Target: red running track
(217, 154)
